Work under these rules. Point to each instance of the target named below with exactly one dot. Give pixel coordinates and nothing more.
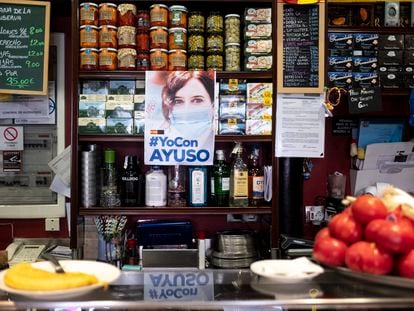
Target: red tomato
(329, 251)
(344, 227)
(367, 207)
(366, 257)
(372, 228)
(405, 265)
(323, 233)
(396, 234)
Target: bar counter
(191, 289)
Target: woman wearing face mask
(188, 103)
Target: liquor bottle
(131, 182)
(109, 183)
(155, 187)
(238, 179)
(176, 186)
(256, 179)
(197, 182)
(221, 174)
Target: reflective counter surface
(189, 289)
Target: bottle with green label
(238, 179)
(221, 175)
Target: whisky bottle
(238, 180)
(256, 180)
(221, 175)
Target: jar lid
(108, 4)
(175, 29)
(86, 4)
(108, 26)
(174, 51)
(178, 8)
(155, 50)
(108, 50)
(88, 50)
(232, 44)
(109, 156)
(232, 15)
(89, 27)
(159, 6)
(158, 27)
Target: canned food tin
(177, 60)
(232, 28)
(126, 37)
(108, 36)
(143, 61)
(108, 59)
(215, 43)
(88, 12)
(88, 59)
(142, 41)
(196, 21)
(214, 62)
(127, 14)
(158, 37)
(196, 43)
(232, 56)
(177, 16)
(88, 36)
(108, 14)
(177, 38)
(126, 59)
(195, 61)
(143, 20)
(158, 59)
(159, 15)
(214, 23)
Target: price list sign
(300, 49)
(24, 41)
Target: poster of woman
(179, 117)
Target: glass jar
(232, 28)
(108, 14)
(214, 43)
(126, 59)
(108, 59)
(143, 20)
(214, 23)
(143, 61)
(158, 59)
(158, 37)
(142, 41)
(126, 37)
(159, 15)
(108, 36)
(232, 56)
(88, 36)
(196, 43)
(177, 38)
(88, 59)
(177, 60)
(88, 12)
(196, 22)
(214, 62)
(195, 61)
(177, 16)
(127, 14)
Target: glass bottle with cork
(255, 179)
(221, 176)
(238, 179)
(109, 182)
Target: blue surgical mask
(194, 121)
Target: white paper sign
(11, 137)
(300, 125)
(25, 106)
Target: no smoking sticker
(11, 138)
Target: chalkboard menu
(301, 48)
(24, 41)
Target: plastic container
(108, 36)
(108, 14)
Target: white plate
(105, 273)
(286, 270)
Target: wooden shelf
(96, 211)
(372, 29)
(140, 138)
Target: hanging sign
(24, 41)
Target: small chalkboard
(301, 48)
(24, 41)
(364, 100)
